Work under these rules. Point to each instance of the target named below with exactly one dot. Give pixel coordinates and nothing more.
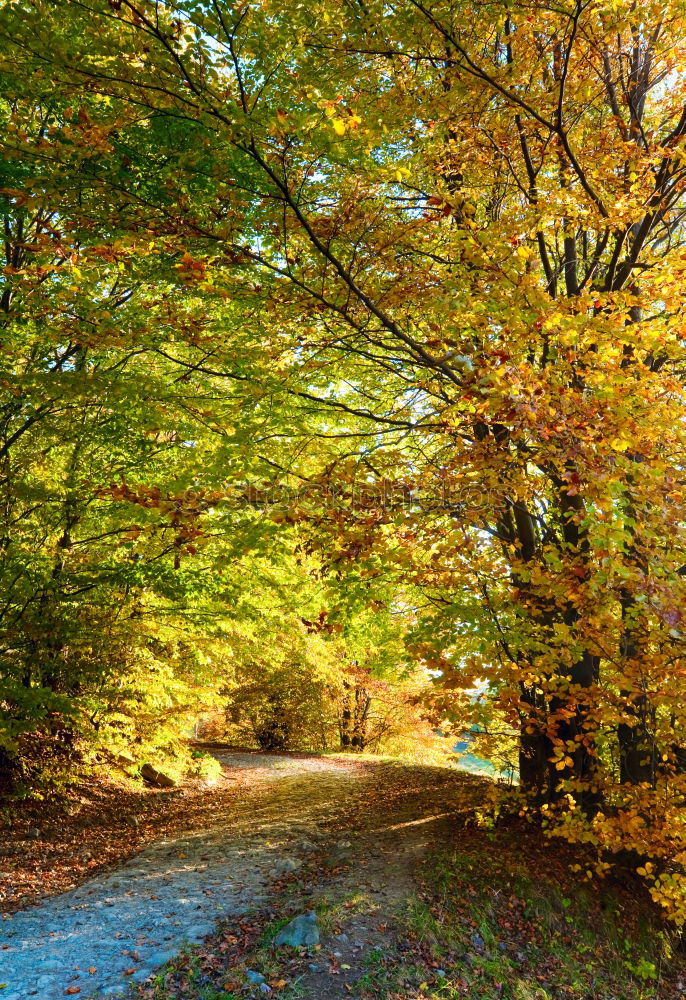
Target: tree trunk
(362, 706)
(345, 719)
(8, 771)
(637, 748)
(534, 749)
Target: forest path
(117, 928)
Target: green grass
(503, 926)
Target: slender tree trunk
(345, 719)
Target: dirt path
(117, 928)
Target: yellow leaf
(338, 126)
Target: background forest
(343, 379)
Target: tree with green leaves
(441, 246)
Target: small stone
(314, 968)
(441, 973)
(342, 844)
(303, 932)
(255, 977)
(33, 834)
(48, 964)
(158, 958)
(288, 865)
(502, 946)
(198, 931)
(140, 975)
(477, 942)
(343, 938)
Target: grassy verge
(492, 924)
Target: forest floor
(179, 895)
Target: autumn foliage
(374, 311)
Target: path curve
(125, 923)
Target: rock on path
(127, 923)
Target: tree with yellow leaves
(452, 239)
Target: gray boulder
(158, 778)
(303, 932)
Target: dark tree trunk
(354, 714)
(637, 747)
(345, 721)
(8, 771)
(362, 705)
(534, 748)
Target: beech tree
(451, 239)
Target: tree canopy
(344, 345)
